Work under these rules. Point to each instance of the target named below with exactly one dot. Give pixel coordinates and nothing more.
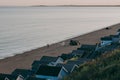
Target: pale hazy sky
(58, 2)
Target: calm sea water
(26, 28)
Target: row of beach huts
(55, 68)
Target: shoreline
(24, 60)
(60, 41)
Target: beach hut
(118, 31)
(36, 64)
(8, 77)
(69, 67)
(87, 47)
(67, 56)
(23, 72)
(115, 38)
(107, 40)
(77, 53)
(88, 50)
(52, 60)
(51, 72)
(46, 60)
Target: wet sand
(24, 61)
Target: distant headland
(75, 6)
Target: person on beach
(48, 45)
(79, 42)
(63, 43)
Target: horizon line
(61, 6)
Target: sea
(26, 28)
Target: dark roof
(87, 47)
(67, 66)
(80, 52)
(25, 73)
(114, 36)
(48, 70)
(34, 78)
(66, 56)
(36, 63)
(49, 59)
(10, 77)
(106, 38)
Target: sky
(57, 2)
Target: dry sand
(24, 61)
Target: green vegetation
(106, 67)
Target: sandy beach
(24, 61)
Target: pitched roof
(87, 47)
(106, 38)
(114, 36)
(10, 77)
(25, 73)
(36, 63)
(48, 70)
(80, 52)
(67, 66)
(49, 59)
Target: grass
(106, 67)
